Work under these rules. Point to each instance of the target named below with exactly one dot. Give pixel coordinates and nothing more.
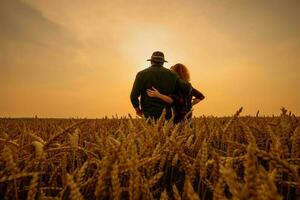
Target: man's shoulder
(141, 73)
(163, 70)
(144, 70)
(167, 70)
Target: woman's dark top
(182, 104)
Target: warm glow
(66, 59)
(140, 43)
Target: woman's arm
(155, 93)
(198, 96)
(195, 101)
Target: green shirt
(165, 81)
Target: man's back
(164, 80)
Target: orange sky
(63, 58)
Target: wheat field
(237, 157)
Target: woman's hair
(182, 71)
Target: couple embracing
(160, 88)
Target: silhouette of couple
(160, 88)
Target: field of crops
(238, 157)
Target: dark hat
(158, 56)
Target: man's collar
(157, 65)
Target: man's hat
(158, 56)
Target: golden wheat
(237, 157)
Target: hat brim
(157, 60)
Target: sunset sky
(69, 58)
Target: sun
(140, 44)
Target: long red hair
(182, 71)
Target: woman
(181, 103)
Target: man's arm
(134, 95)
(138, 111)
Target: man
(161, 78)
